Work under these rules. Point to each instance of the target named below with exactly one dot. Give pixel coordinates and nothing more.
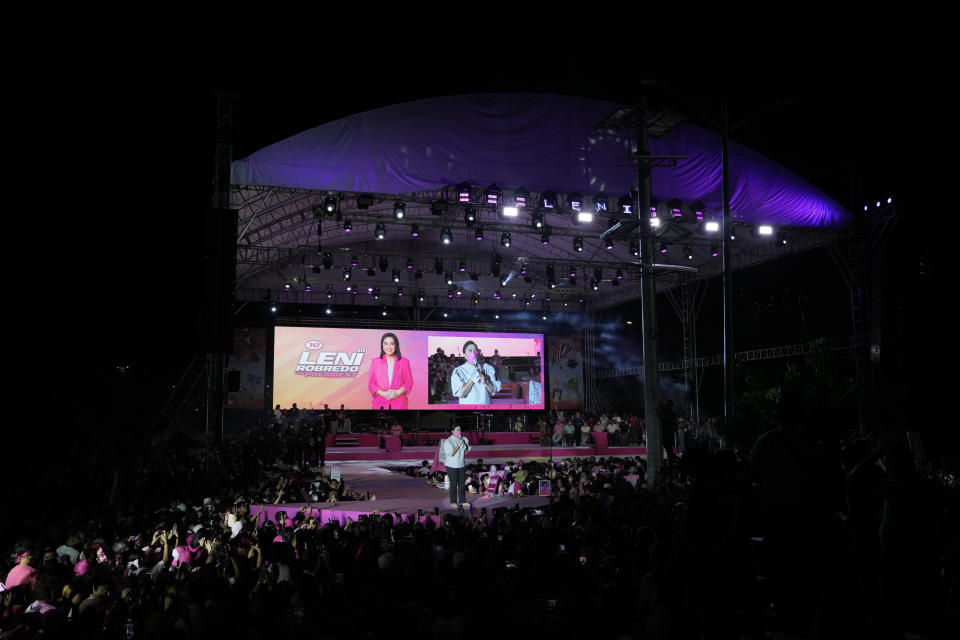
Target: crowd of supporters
(800, 535)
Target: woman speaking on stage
(473, 382)
(390, 376)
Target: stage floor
(398, 493)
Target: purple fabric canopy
(541, 142)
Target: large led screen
(428, 369)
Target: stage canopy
(420, 151)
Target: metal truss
(767, 353)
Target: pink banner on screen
(316, 366)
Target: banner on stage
(314, 366)
(565, 364)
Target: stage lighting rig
(462, 267)
(448, 277)
(634, 247)
(396, 275)
(330, 205)
(479, 233)
(380, 231)
(347, 226)
(347, 273)
(578, 244)
(537, 220)
(469, 216)
(463, 192)
(399, 209)
(493, 194)
(415, 230)
(688, 251)
(521, 196)
(505, 238)
(399, 292)
(329, 292)
(446, 236)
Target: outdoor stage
(365, 469)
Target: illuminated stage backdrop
(313, 366)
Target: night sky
(124, 134)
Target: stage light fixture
(600, 203)
(575, 200)
(496, 295)
(399, 209)
(383, 311)
(469, 216)
(421, 295)
(463, 192)
(584, 217)
(505, 238)
(521, 196)
(537, 220)
(523, 269)
(626, 205)
(544, 238)
(383, 263)
(328, 310)
(347, 226)
(459, 292)
(364, 201)
(698, 209)
(446, 236)
(450, 292)
(609, 243)
(714, 249)
(415, 230)
(676, 208)
(462, 267)
(448, 277)
(329, 292)
(445, 314)
(439, 207)
(688, 251)
(396, 275)
(346, 273)
(782, 238)
(513, 296)
(634, 247)
(654, 223)
(594, 285)
(509, 211)
(493, 194)
(503, 282)
(370, 289)
(664, 247)
(573, 272)
(551, 276)
(380, 231)
(327, 260)
(548, 199)
(765, 230)
(578, 244)
(479, 233)
(286, 286)
(619, 274)
(475, 299)
(376, 293)
(350, 289)
(711, 226)
(496, 316)
(353, 261)
(409, 263)
(330, 204)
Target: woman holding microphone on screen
(474, 382)
(390, 376)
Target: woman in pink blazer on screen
(390, 376)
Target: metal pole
(648, 293)
(726, 229)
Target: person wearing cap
(455, 449)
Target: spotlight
(286, 286)
(493, 194)
(544, 238)
(438, 266)
(523, 269)
(380, 231)
(584, 216)
(688, 251)
(676, 208)
(513, 296)
(415, 230)
(347, 226)
(444, 314)
(421, 295)
(505, 238)
(600, 203)
(327, 260)
(575, 200)
(450, 292)
(496, 295)
(654, 223)
(364, 201)
(409, 263)
(463, 192)
(376, 293)
(479, 233)
(664, 247)
(370, 289)
(346, 273)
(503, 282)
(475, 299)
(711, 226)
(551, 276)
(765, 230)
(439, 207)
(509, 212)
(459, 292)
(396, 275)
(462, 267)
(714, 250)
(496, 316)
(353, 261)
(594, 285)
(446, 237)
(469, 216)
(626, 205)
(578, 244)
(329, 292)
(521, 196)
(781, 238)
(698, 208)
(383, 263)
(399, 209)
(328, 310)
(619, 274)
(635, 247)
(573, 272)
(330, 204)
(538, 220)
(350, 289)
(889, 200)
(448, 277)
(609, 243)
(548, 199)
(383, 311)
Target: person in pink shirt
(22, 573)
(390, 376)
